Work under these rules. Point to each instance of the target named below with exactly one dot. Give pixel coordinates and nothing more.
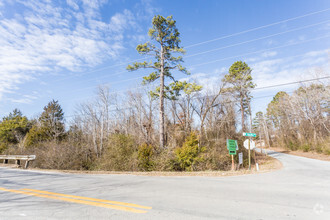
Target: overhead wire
(216, 39)
(256, 39)
(124, 90)
(260, 51)
(226, 58)
(227, 36)
(258, 97)
(258, 28)
(216, 49)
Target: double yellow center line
(129, 207)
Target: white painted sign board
(252, 144)
(240, 158)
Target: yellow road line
(128, 209)
(90, 199)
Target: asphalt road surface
(301, 190)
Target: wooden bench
(18, 159)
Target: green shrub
(3, 147)
(319, 149)
(327, 151)
(145, 153)
(292, 146)
(305, 147)
(120, 154)
(216, 157)
(190, 154)
(35, 136)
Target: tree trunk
(242, 115)
(161, 99)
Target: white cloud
(26, 99)
(317, 53)
(280, 71)
(269, 54)
(46, 37)
(73, 4)
(120, 21)
(270, 42)
(222, 70)
(209, 83)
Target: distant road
(301, 190)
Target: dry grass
(266, 164)
(310, 154)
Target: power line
(118, 73)
(115, 92)
(258, 97)
(258, 28)
(291, 83)
(259, 51)
(256, 39)
(120, 91)
(272, 86)
(129, 108)
(110, 83)
(220, 48)
(212, 40)
(226, 58)
(92, 71)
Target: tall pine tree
(167, 39)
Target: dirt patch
(312, 155)
(266, 164)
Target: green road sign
(231, 144)
(249, 134)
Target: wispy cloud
(279, 71)
(269, 54)
(269, 71)
(48, 37)
(25, 99)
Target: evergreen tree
(240, 80)
(52, 120)
(167, 36)
(13, 129)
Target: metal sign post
(232, 163)
(240, 160)
(249, 135)
(232, 147)
(249, 154)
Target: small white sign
(252, 144)
(240, 158)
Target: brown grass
(266, 164)
(310, 154)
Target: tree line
(123, 132)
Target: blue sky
(63, 50)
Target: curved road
(301, 190)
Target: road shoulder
(266, 164)
(312, 155)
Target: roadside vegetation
(298, 121)
(177, 126)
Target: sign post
(240, 159)
(232, 147)
(249, 135)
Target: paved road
(301, 190)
